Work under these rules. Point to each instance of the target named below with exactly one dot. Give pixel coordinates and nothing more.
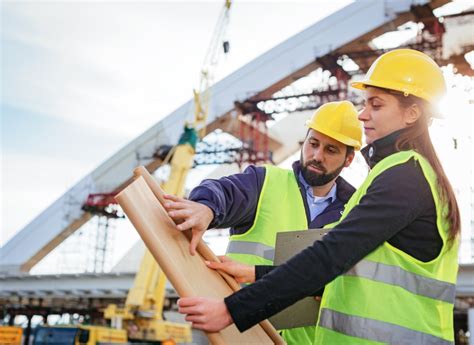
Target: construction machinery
(142, 313)
(10, 335)
(78, 335)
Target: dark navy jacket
(234, 199)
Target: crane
(202, 95)
(183, 153)
(144, 304)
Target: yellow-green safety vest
(280, 208)
(389, 297)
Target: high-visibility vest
(280, 208)
(389, 296)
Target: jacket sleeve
(233, 199)
(389, 205)
(261, 270)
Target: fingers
(180, 213)
(176, 205)
(205, 313)
(173, 197)
(199, 319)
(224, 258)
(214, 265)
(192, 307)
(187, 224)
(200, 326)
(188, 301)
(195, 241)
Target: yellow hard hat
(339, 121)
(408, 71)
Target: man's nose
(318, 155)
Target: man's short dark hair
(349, 150)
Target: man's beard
(315, 179)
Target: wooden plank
(188, 274)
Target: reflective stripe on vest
(280, 208)
(395, 275)
(389, 296)
(253, 248)
(376, 330)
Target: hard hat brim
(362, 85)
(343, 139)
(358, 85)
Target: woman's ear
(412, 114)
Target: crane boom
(202, 95)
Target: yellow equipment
(10, 335)
(91, 335)
(144, 305)
(78, 335)
(338, 120)
(408, 71)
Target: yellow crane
(144, 304)
(183, 153)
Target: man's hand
(241, 272)
(208, 314)
(189, 215)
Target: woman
(393, 280)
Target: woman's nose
(363, 114)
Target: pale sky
(82, 79)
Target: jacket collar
(380, 148)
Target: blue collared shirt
(317, 204)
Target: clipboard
(304, 312)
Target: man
(262, 201)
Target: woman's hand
(241, 272)
(208, 314)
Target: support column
(470, 325)
(27, 331)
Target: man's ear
(349, 159)
(412, 114)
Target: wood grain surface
(189, 274)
